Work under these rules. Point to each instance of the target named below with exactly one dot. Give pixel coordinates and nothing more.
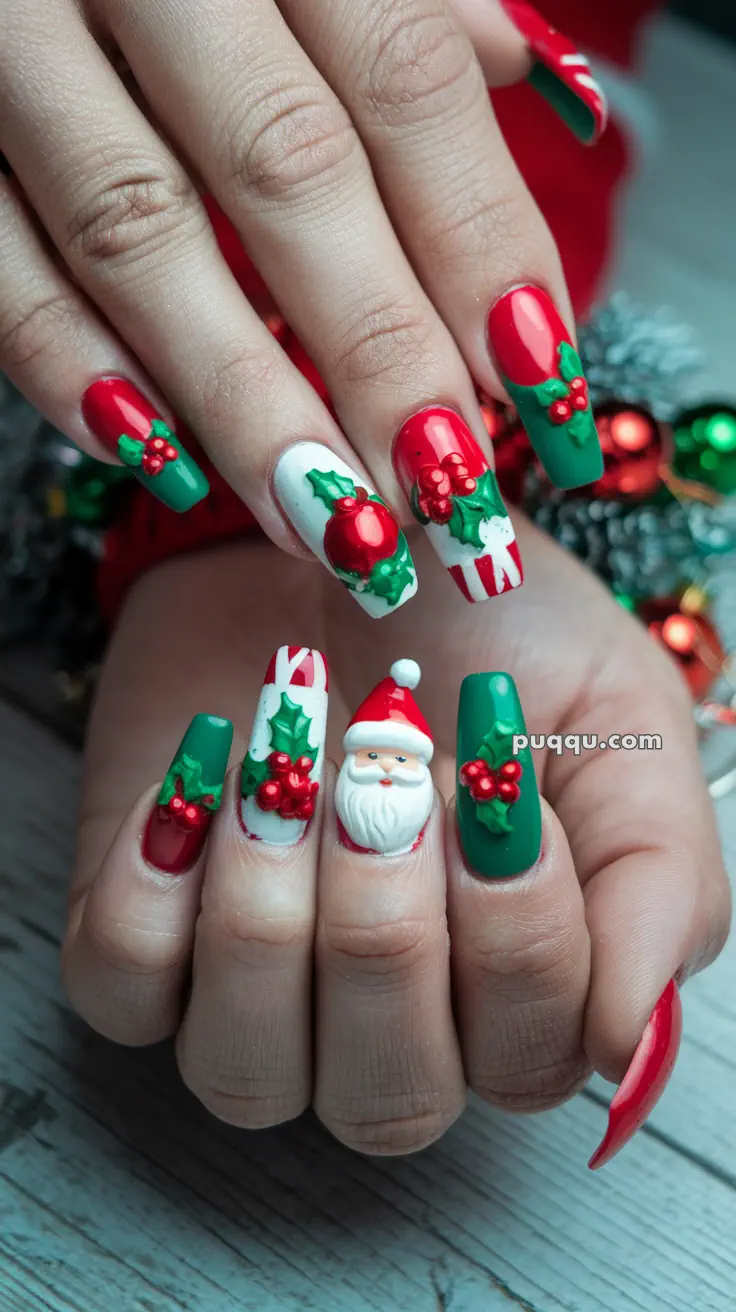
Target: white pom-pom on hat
(405, 673)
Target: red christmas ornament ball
(691, 640)
(633, 446)
(359, 534)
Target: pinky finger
(128, 947)
(67, 361)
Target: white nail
(291, 717)
(380, 583)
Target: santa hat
(389, 716)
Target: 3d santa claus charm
(384, 790)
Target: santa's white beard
(387, 820)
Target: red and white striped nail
(454, 494)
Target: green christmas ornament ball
(705, 446)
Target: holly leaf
(414, 502)
(290, 729)
(131, 450)
(570, 362)
(187, 772)
(330, 486)
(159, 428)
(389, 578)
(551, 390)
(252, 775)
(581, 427)
(469, 512)
(498, 745)
(495, 816)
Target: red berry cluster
(157, 453)
(485, 783)
(189, 815)
(289, 790)
(560, 411)
(438, 484)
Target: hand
(355, 150)
(554, 972)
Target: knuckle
(35, 334)
(130, 219)
(395, 1135)
(292, 144)
(421, 66)
(250, 1102)
(130, 949)
(252, 942)
(488, 225)
(534, 966)
(247, 378)
(396, 952)
(385, 345)
(534, 1080)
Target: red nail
(190, 795)
(645, 1080)
(543, 374)
(129, 426)
(454, 494)
(562, 75)
(168, 846)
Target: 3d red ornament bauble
(634, 447)
(359, 534)
(689, 639)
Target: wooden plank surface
(118, 1191)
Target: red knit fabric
(574, 186)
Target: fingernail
(561, 74)
(645, 1080)
(345, 523)
(543, 375)
(126, 424)
(499, 816)
(282, 770)
(190, 795)
(384, 790)
(454, 494)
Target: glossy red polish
(190, 795)
(645, 1080)
(561, 73)
(170, 844)
(132, 429)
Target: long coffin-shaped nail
(283, 767)
(542, 373)
(384, 791)
(127, 424)
(560, 73)
(499, 816)
(190, 795)
(346, 524)
(454, 493)
(644, 1082)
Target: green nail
(572, 110)
(570, 453)
(178, 481)
(198, 770)
(500, 827)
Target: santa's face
(384, 798)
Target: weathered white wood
(118, 1191)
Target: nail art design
(347, 525)
(283, 767)
(645, 1080)
(384, 791)
(124, 422)
(542, 373)
(561, 74)
(498, 811)
(454, 494)
(190, 795)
